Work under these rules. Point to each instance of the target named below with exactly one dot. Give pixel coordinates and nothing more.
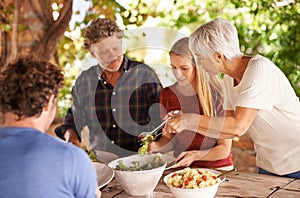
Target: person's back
(35, 165)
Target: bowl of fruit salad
(138, 175)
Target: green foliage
(70, 50)
(273, 32)
(264, 27)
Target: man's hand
(71, 137)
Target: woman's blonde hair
(207, 86)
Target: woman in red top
(192, 94)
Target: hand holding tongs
(145, 135)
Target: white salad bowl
(138, 183)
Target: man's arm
(69, 124)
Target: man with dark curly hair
(33, 163)
(116, 99)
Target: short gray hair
(218, 35)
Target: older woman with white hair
(258, 99)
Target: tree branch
(47, 46)
(4, 54)
(43, 10)
(46, 9)
(15, 31)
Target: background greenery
(268, 27)
(271, 28)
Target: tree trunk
(54, 30)
(34, 31)
(15, 32)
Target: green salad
(90, 153)
(143, 150)
(156, 162)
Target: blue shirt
(34, 165)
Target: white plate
(104, 174)
(104, 156)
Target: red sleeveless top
(188, 140)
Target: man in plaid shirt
(116, 99)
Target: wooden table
(237, 184)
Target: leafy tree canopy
(271, 28)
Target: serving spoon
(152, 135)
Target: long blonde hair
(206, 84)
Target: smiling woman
(193, 92)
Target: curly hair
(100, 29)
(27, 84)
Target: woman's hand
(173, 113)
(178, 123)
(152, 147)
(186, 158)
(173, 125)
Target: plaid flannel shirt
(114, 115)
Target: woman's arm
(234, 124)
(221, 151)
(162, 145)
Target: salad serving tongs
(152, 135)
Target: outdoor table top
(236, 184)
